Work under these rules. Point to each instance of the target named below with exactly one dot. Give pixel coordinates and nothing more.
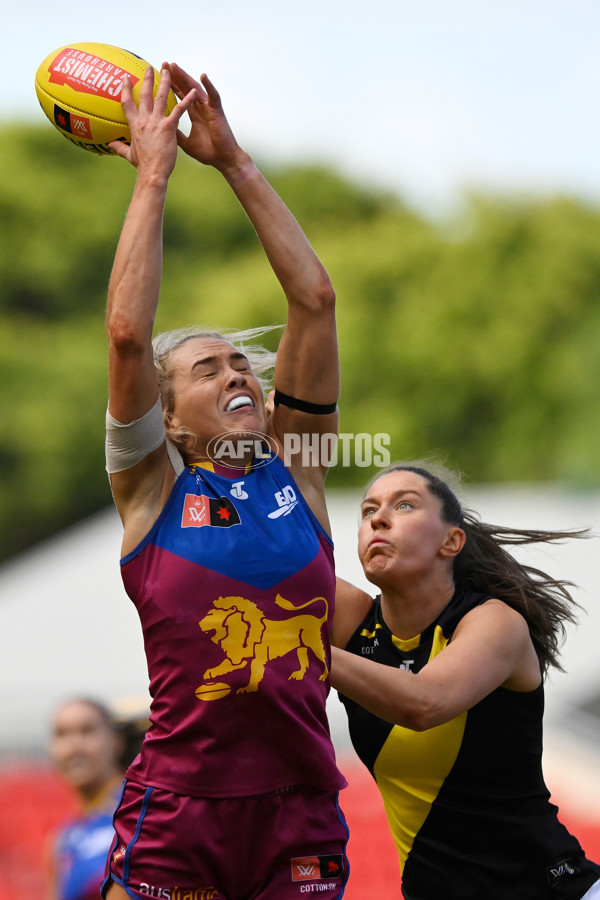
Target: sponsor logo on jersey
(560, 870)
(202, 510)
(286, 500)
(237, 491)
(312, 868)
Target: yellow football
(79, 89)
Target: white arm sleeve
(127, 445)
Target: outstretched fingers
(120, 148)
(214, 98)
(183, 105)
(162, 96)
(183, 83)
(147, 102)
(127, 102)
(153, 130)
(162, 93)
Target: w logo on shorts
(311, 868)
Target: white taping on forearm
(127, 445)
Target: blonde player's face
(215, 392)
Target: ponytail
(544, 602)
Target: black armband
(315, 409)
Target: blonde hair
(164, 345)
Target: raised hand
(211, 140)
(153, 147)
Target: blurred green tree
(475, 339)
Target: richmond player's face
(402, 535)
(215, 392)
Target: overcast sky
(426, 98)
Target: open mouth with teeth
(239, 403)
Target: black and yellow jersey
(466, 801)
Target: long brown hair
(484, 565)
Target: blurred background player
(90, 747)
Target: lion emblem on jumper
(250, 640)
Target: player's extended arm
(307, 365)
(351, 606)
(136, 275)
(134, 291)
(490, 648)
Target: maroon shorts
(281, 846)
